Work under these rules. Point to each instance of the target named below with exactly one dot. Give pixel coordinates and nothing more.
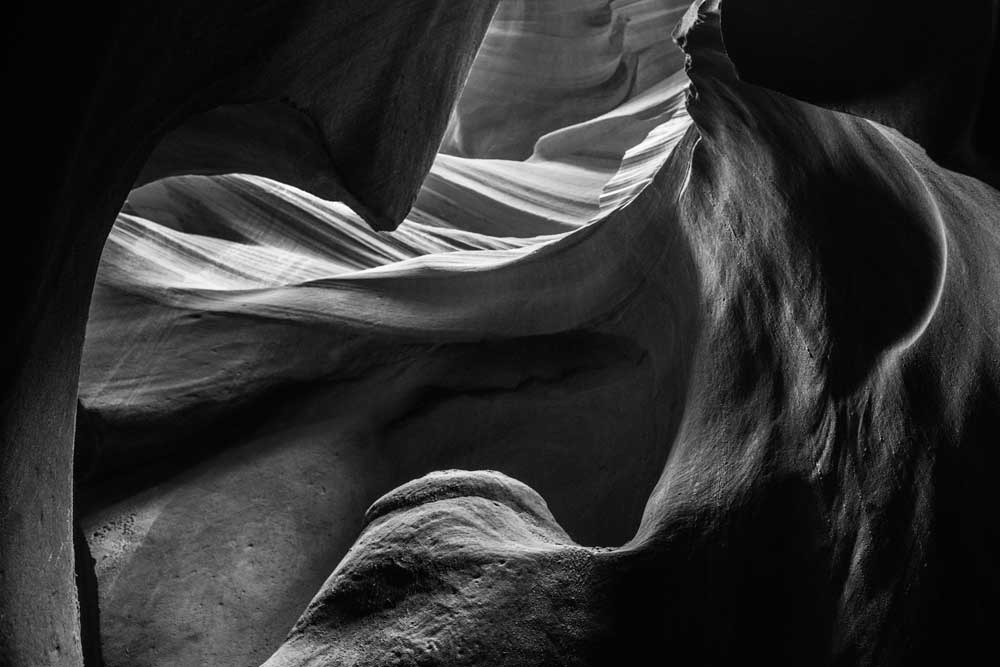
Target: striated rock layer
(256, 351)
(827, 292)
(95, 89)
(724, 360)
(548, 64)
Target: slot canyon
(501, 332)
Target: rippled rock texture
(97, 88)
(714, 320)
(294, 362)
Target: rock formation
(96, 88)
(683, 352)
(314, 365)
(826, 498)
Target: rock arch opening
(260, 365)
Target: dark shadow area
(912, 65)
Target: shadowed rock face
(235, 336)
(98, 87)
(330, 106)
(825, 500)
(917, 67)
(769, 324)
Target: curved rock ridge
(486, 551)
(314, 114)
(343, 97)
(285, 283)
(767, 323)
(554, 63)
(826, 500)
(239, 311)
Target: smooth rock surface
(230, 311)
(693, 366)
(93, 89)
(826, 497)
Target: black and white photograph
(500, 333)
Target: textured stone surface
(725, 360)
(98, 87)
(236, 312)
(826, 497)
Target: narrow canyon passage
(241, 418)
(506, 332)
